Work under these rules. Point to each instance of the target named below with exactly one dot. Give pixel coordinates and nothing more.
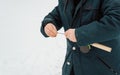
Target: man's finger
(54, 29)
(49, 33)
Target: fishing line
(60, 38)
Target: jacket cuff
(81, 37)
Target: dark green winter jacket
(95, 21)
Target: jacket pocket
(107, 66)
(90, 8)
(89, 14)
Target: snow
(23, 49)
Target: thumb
(66, 33)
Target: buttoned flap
(91, 7)
(89, 13)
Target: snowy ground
(23, 50)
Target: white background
(23, 49)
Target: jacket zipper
(79, 11)
(66, 2)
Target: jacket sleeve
(52, 17)
(107, 28)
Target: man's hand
(50, 30)
(70, 34)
